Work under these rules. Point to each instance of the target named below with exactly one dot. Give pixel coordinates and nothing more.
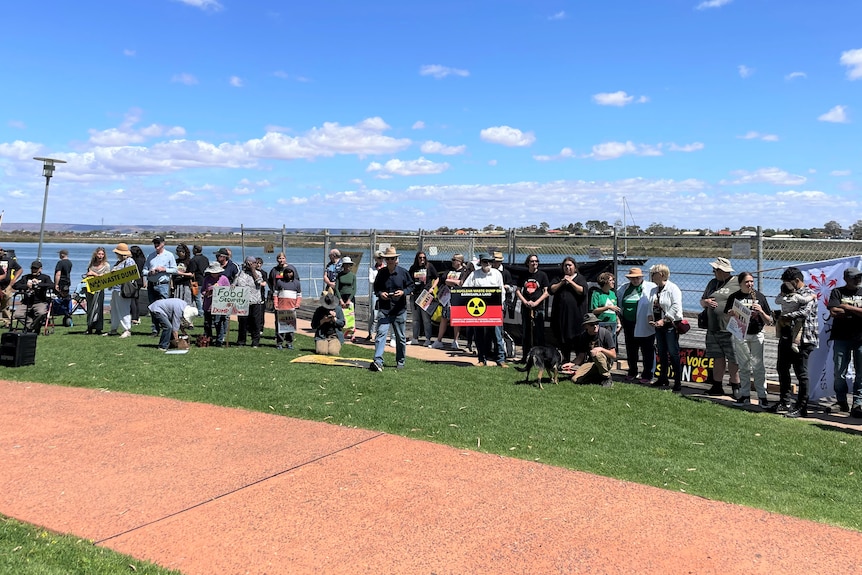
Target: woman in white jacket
(633, 297)
(665, 310)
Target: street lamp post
(47, 171)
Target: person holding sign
(96, 300)
(214, 276)
(487, 276)
(424, 279)
(749, 349)
(286, 298)
(121, 307)
(250, 277)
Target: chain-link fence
(687, 256)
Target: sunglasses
(390, 259)
(533, 262)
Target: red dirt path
(211, 490)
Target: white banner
(823, 277)
(230, 300)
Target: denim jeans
(667, 342)
(399, 324)
(161, 321)
(155, 292)
(749, 357)
(843, 352)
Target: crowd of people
(586, 320)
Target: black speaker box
(17, 349)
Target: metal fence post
(514, 245)
(759, 259)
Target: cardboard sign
(476, 306)
(738, 324)
(111, 279)
(285, 320)
(230, 300)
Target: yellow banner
(111, 279)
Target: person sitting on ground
(328, 323)
(596, 353)
(171, 315)
(33, 307)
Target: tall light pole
(47, 171)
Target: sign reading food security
(476, 306)
(111, 279)
(230, 300)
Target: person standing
(121, 307)
(793, 279)
(199, 264)
(719, 344)
(666, 310)
(487, 276)
(571, 304)
(96, 300)
(229, 267)
(424, 278)
(345, 288)
(10, 269)
(63, 274)
(372, 297)
(845, 307)
(393, 285)
(333, 268)
(158, 269)
(289, 288)
(638, 333)
(749, 351)
(252, 279)
(533, 293)
(140, 260)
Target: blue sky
(411, 114)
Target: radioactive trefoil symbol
(476, 307)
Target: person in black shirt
(533, 293)
(33, 307)
(845, 307)
(392, 285)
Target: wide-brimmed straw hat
(122, 249)
(214, 268)
(391, 252)
(635, 273)
(329, 301)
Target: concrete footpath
(211, 490)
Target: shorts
(445, 312)
(720, 344)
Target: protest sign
(476, 306)
(111, 279)
(230, 300)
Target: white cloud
(129, 53)
(794, 75)
(837, 115)
(561, 15)
(126, 133)
(774, 176)
(182, 195)
(431, 147)
(507, 136)
(184, 78)
(203, 4)
(614, 150)
(613, 98)
(418, 125)
(408, 168)
(236, 81)
(18, 194)
(693, 147)
(745, 71)
(712, 4)
(853, 60)
(752, 135)
(564, 153)
(20, 150)
(840, 173)
(438, 71)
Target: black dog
(547, 359)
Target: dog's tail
(527, 366)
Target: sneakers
(716, 389)
(778, 407)
(455, 345)
(126, 334)
(437, 345)
(375, 366)
(430, 343)
(798, 412)
(856, 412)
(742, 401)
(278, 347)
(842, 406)
(392, 343)
(413, 341)
(290, 346)
(399, 366)
(645, 380)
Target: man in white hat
(719, 341)
(171, 315)
(392, 286)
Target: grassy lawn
(628, 432)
